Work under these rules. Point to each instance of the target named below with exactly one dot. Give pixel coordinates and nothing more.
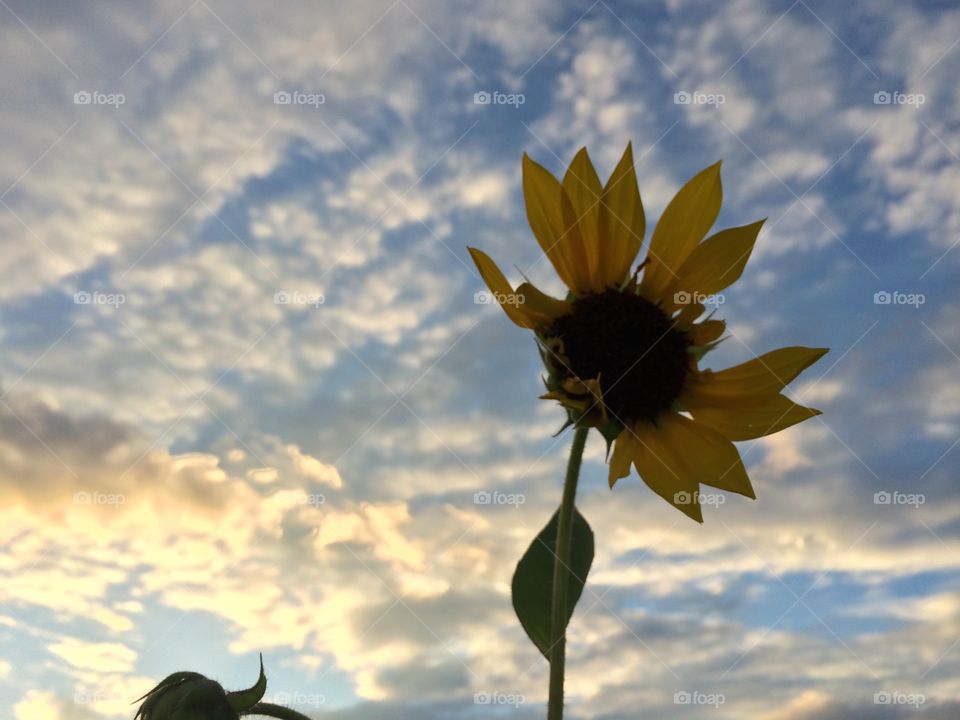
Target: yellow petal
(658, 461)
(593, 387)
(709, 457)
(718, 261)
(545, 200)
(706, 332)
(501, 289)
(621, 457)
(583, 189)
(682, 226)
(621, 221)
(704, 456)
(769, 373)
(539, 305)
(687, 316)
(747, 418)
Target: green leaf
(533, 578)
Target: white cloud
(589, 107)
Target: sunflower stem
(275, 711)
(561, 574)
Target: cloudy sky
(247, 398)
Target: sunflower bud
(191, 696)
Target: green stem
(561, 574)
(276, 711)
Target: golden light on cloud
(38, 705)
(106, 657)
(313, 469)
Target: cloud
(202, 471)
(107, 657)
(37, 706)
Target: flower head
(191, 696)
(622, 350)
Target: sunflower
(622, 350)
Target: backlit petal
(501, 289)
(718, 261)
(658, 461)
(621, 221)
(708, 456)
(538, 304)
(622, 456)
(769, 373)
(583, 189)
(747, 418)
(706, 332)
(545, 200)
(682, 226)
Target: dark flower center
(634, 348)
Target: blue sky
(193, 472)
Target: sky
(250, 403)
